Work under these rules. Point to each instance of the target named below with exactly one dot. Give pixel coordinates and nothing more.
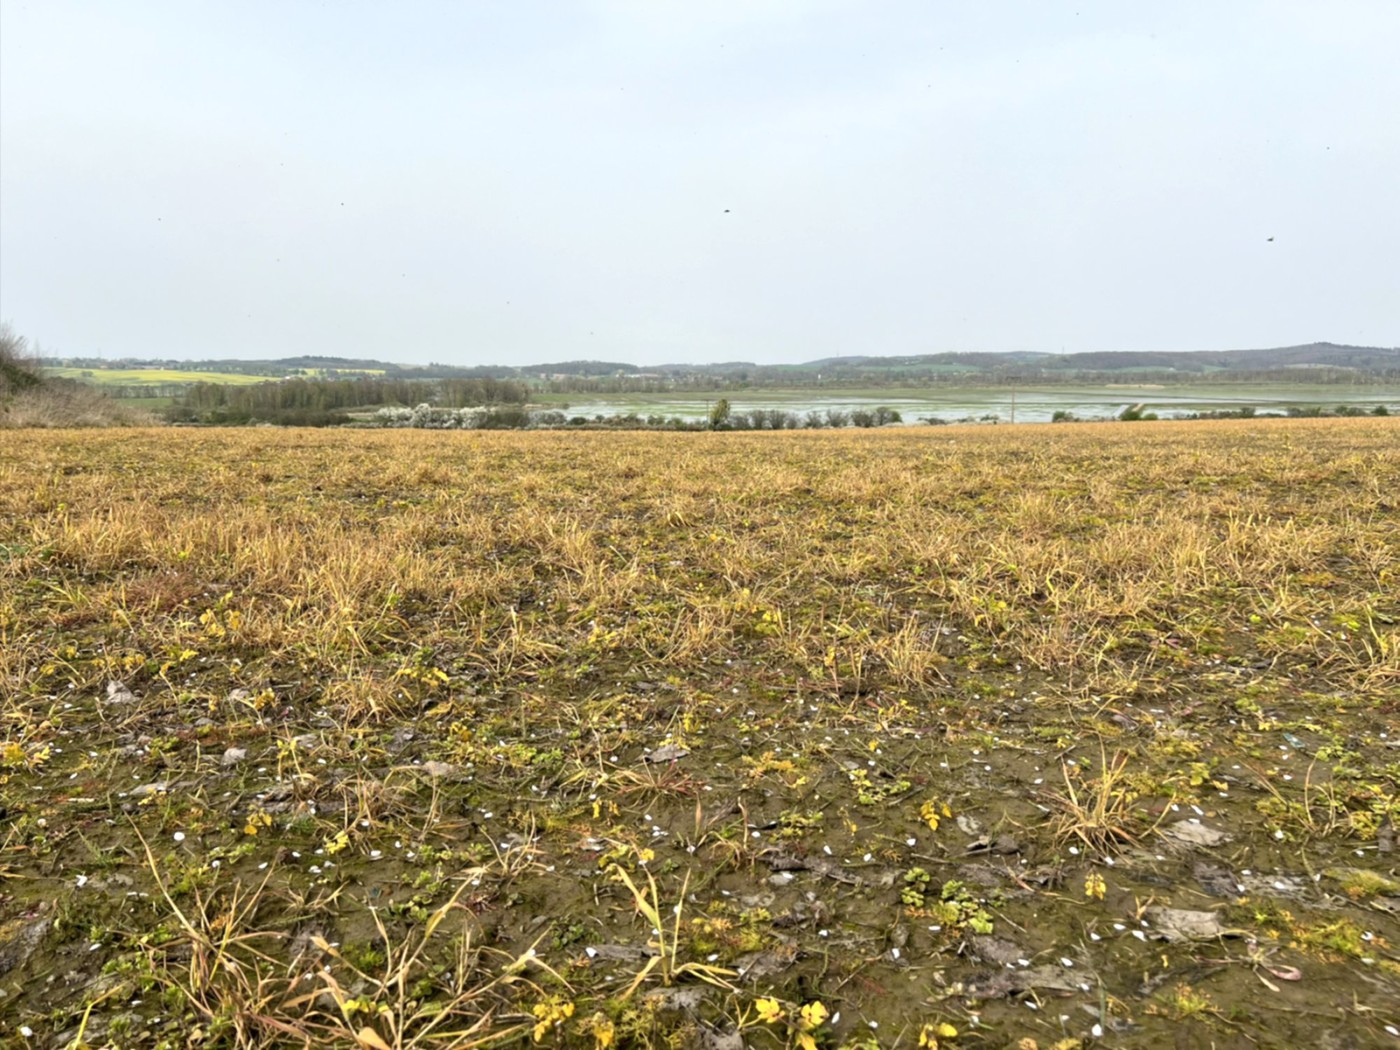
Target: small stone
(1179, 924)
(18, 941)
(118, 693)
(1194, 833)
(233, 756)
(669, 753)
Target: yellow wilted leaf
(931, 1033)
(770, 1011)
(604, 1032)
(1094, 886)
(368, 1037)
(813, 1015)
(932, 813)
(256, 820)
(549, 1013)
(338, 843)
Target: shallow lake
(1006, 404)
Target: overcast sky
(708, 180)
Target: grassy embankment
(374, 738)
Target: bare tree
(17, 370)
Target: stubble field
(1033, 737)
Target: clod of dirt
(1256, 885)
(1046, 877)
(669, 753)
(991, 986)
(1178, 925)
(780, 860)
(1217, 881)
(984, 875)
(115, 883)
(686, 1000)
(1014, 982)
(712, 1040)
(809, 912)
(118, 693)
(997, 950)
(1192, 832)
(1049, 978)
(19, 940)
(757, 965)
(438, 769)
(1004, 845)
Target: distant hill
(1310, 360)
(1310, 355)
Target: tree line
(324, 401)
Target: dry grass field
(959, 737)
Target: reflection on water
(1003, 405)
